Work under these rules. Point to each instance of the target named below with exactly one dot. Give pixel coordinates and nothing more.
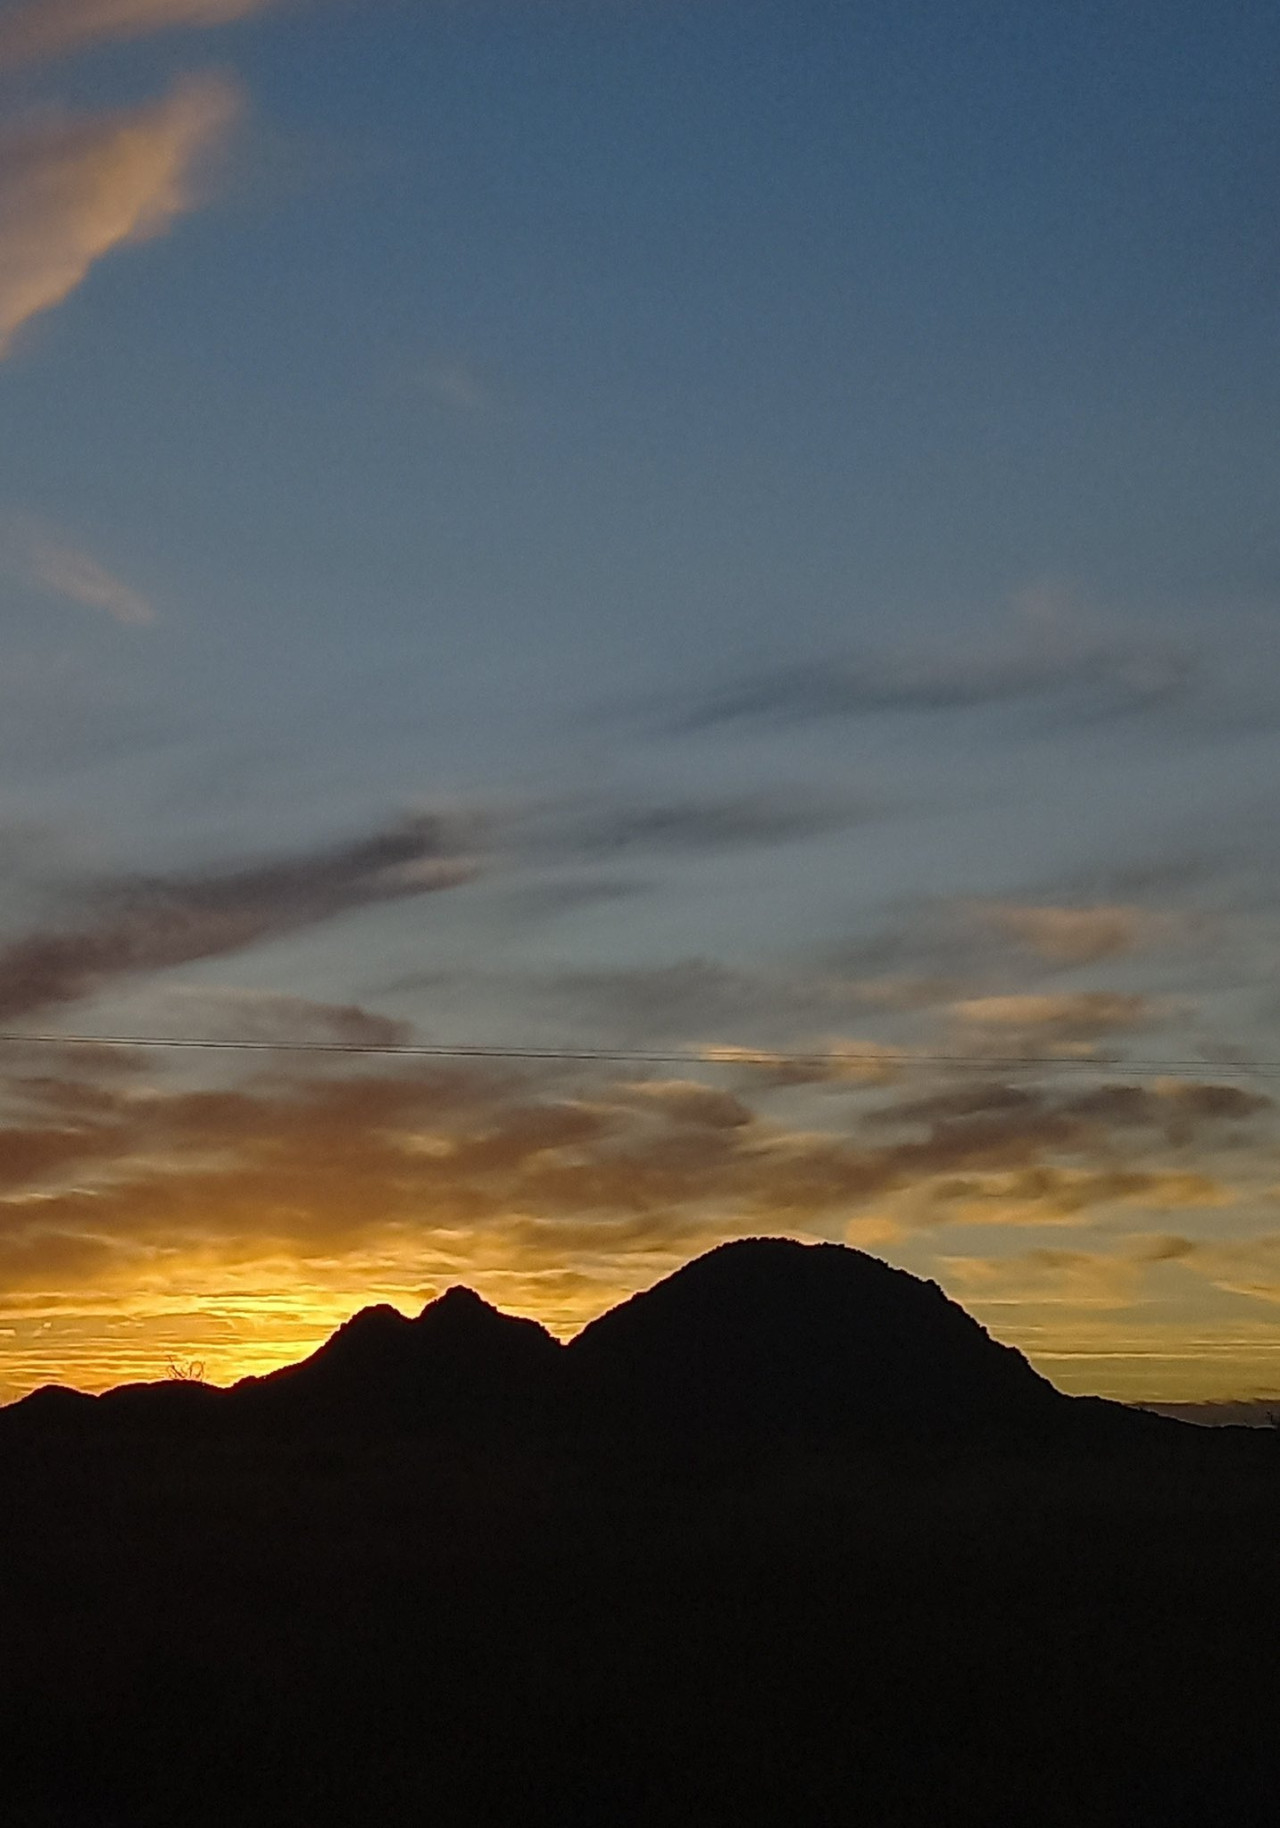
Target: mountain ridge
(760, 1337)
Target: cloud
(554, 1189)
(144, 924)
(839, 1062)
(990, 1153)
(701, 827)
(1081, 682)
(1249, 1266)
(271, 1018)
(904, 994)
(1044, 1193)
(73, 574)
(1078, 1279)
(75, 187)
(1077, 936)
(930, 942)
(1174, 1113)
(49, 562)
(1068, 1019)
(1183, 1109)
(39, 30)
(527, 902)
(691, 997)
(689, 1101)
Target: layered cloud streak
(35, 31)
(144, 924)
(75, 187)
(1077, 681)
(120, 1185)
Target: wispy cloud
(39, 30)
(153, 923)
(56, 566)
(555, 1189)
(839, 1063)
(521, 1168)
(1072, 1017)
(694, 826)
(1248, 1266)
(1078, 681)
(1075, 1278)
(74, 187)
(70, 573)
(1078, 935)
(276, 1019)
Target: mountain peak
(761, 1337)
(371, 1322)
(768, 1332)
(460, 1365)
(479, 1340)
(459, 1299)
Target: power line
(744, 1057)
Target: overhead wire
(835, 1059)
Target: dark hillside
(460, 1367)
(282, 1634)
(759, 1340)
(771, 1336)
(787, 1539)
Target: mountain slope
(461, 1365)
(774, 1335)
(758, 1339)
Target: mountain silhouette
(770, 1335)
(786, 1538)
(460, 1366)
(763, 1337)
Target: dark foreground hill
(461, 1366)
(739, 1554)
(760, 1339)
(776, 1337)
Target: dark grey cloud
(694, 996)
(1081, 683)
(590, 832)
(528, 902)
(314, 1161)
(699, 827)
(679, 1004)
(271, 1017)
(150, 923)
(986, 1112)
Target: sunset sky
(742, 532)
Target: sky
(735, 535)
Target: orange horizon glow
(242, 1330)
(1116, 1234)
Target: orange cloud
(272, 1208)
(45, 29)
(1071, 1278)
(1045, 1192)
(829, 1063)
(1070, 1020)
(74, 188)
(1077, 936)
